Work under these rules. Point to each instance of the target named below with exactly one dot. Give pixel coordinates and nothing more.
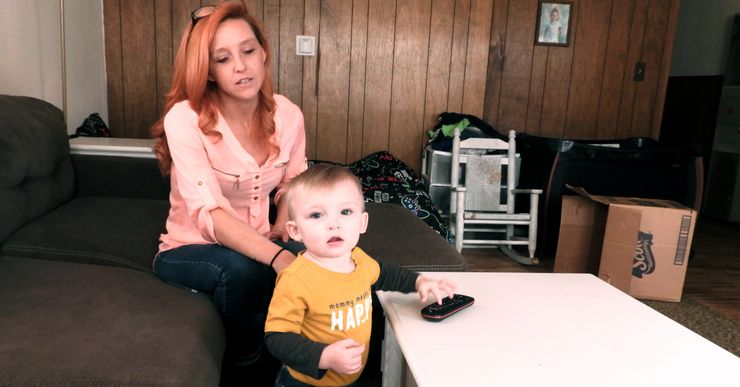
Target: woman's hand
(278, 231)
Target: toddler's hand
(437, 288)
(344, 357)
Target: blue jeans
(240, 288)
(285, 379)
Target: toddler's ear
(293, 231)
(363, 227)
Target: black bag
(93, 126)
(476, 128)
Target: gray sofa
(79, 303)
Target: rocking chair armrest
(527, 191)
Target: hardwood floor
(712, 278)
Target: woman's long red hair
(190, 82)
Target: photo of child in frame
(552, 23)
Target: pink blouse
(206, 175)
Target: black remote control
(450, 306)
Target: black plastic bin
(633, 167)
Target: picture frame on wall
(553, 23)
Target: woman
(226, 141)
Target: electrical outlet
(639, 75)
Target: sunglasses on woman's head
(201, 12)
(206, 10)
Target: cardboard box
(640, 246)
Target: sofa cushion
(89, 325)
(397, 236)
(36, 173)
(89, 230)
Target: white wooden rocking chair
(483, 176)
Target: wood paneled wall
(387, 68)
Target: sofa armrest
(116, 176)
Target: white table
(538, 329)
